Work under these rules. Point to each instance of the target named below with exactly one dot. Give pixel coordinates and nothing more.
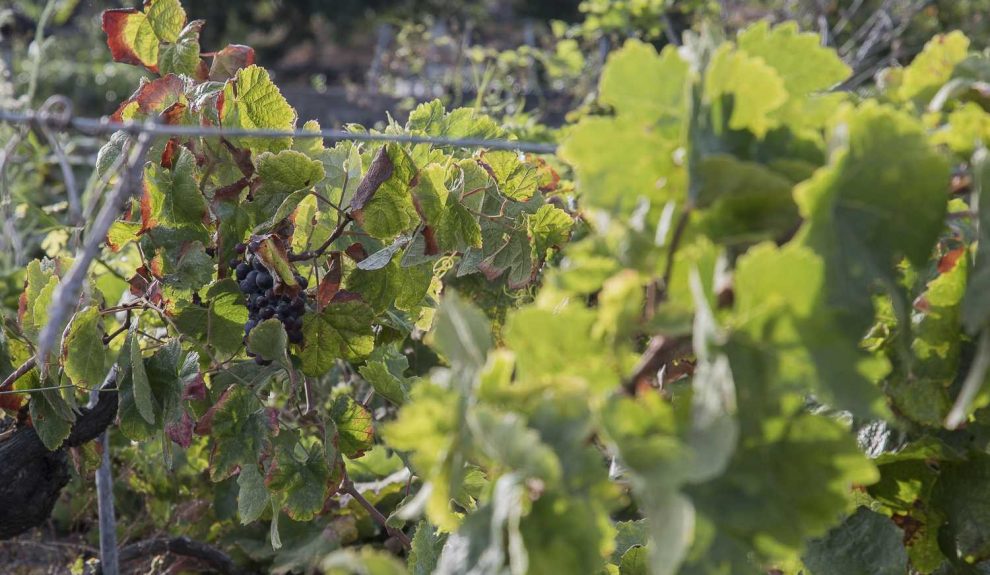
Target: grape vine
(738, 324)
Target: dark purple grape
(264, 280)
(249, 326)
(242, 270)
(253, 245)
(246, 286)
(239, 248)
(267, 312)
(233, 263)
(283, 309)
(270, 294)
(258, 265)
(298, 305)
(302, 281)
(295, 336)
(252, 279)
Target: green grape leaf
(193, 269)
(516, 257)
(933, 67)
(430, 193)
(367, 561)
(281, 175)
(976, 306)
(182, 56)
(550, 345)
(382, 204)
(461, 332)
(744, 201)
(171, 196)
(240, 429)
(84, 355)
(960, 494)
(803, 63)
(142, 385)
(269, 341)
(221, 324)
(516, 179)
(779, 300)
(252, 495)
(355, 433)
(384, 371)
(508, 441)
(39, 285)
(654, 176)
(862, 220)
(786, 483)
(297, 481)
(339, 331)
(252, 101)
(627, 535)
(634, 561)
(651, 87)
(757, 90)
(549, 227)
(923, 396)
(403, 287)
(122, 233)
(866, 542)
(49, 421)
(110, 153)
(427, 543)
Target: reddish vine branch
(345, 219)
(347, 486)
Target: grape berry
(258, 287)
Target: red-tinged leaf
(355, 432)
(379, 171)
(344, 296)
(330, 282)
(147, 209)
(181, 431)
(548, 179)
(127, 30)
(231, 191)
(174, 114)
(12, 401)
(138, 283)
(168, 154)
(948, 261)
(154, 97)
(195, 389)
(228, 61)
(356, 252)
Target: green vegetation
(738, 323)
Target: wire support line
(95, 126)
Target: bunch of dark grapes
(263, 302)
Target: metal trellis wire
(64, 120)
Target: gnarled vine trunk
(31, 476)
